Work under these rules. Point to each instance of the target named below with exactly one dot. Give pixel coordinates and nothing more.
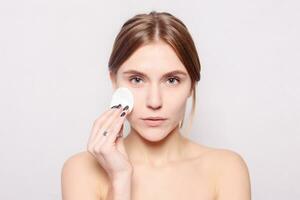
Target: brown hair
(143, 29)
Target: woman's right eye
(134, 78)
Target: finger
(99, 146)
(120, 134)
(99, 121)
(100, 139)
(111, 119)
(115, 130)
(120, 144)
(121, 131)
(106, 124)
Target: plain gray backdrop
(54, 83)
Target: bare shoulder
(81, 177)
(220, 158)
(224, 158)
(232, 174)
(227, 171)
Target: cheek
(177, 97)
(177, 107)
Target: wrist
(121, 178)
(121, 187)
(121, 175)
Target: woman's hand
(109, 150)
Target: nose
(153, 99)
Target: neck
(169, 149)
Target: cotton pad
(122, 96)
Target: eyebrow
(171, 73)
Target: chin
(153, 134)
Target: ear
(113, 79)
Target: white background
(54, 83)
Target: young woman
(155, 57)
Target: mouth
(154, 122)
(154, 118)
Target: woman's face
(157, 93)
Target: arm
(120, 188)
(234, 180)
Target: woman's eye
(134, 78)
(174, 79)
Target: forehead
(156, 58)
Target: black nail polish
(113, 107)
(123, 113)
(126, 107)
(118, 106)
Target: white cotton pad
(122, 96)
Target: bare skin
(166, 166)
(188, 178)
(195, 177)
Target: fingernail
(123, 113)
(125, 108)
(116, 106)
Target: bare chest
(173, 183)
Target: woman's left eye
(174, 78)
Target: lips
(154, 122)
(154, 118)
